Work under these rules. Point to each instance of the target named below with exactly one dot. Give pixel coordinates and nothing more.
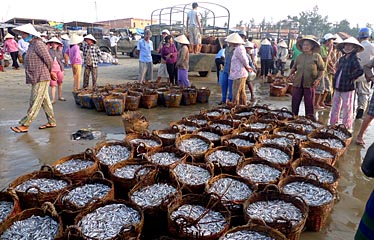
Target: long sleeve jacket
(350, 69)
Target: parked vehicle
(174, 19)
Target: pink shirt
(74, 54)
(10, 45)
(239, 62)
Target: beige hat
(353, 41)
(89, 36)
(76, 39)
(282, 44)
(165, 31)
(235, 38)
(182, 39)
(65, 37)
(316, 46)
(265, 42)
(27, 28)
(54, 40)
(249, 44)
(338, 39)
(8, 35)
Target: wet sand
(23, 153)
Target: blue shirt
(145, 49)
(221, 53)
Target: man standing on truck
(145, 48)
(194, 27)
(113, 43)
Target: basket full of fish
(9, 205)
(194, 145)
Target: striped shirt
(39, 62)
(94, 52)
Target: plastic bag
(367, 166)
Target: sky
(102, 10)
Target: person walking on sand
(145, 48)
(58, 68)
(91, 57)
(183, 59)
(193, 27)
(11, 47)
(38, 69)
(73, 55)
(348, 70)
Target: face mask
(28, 39)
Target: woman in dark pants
(169, 53)
(307, 73)
(220, 60)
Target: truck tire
(134, 54)
(105, 49)
(203, 73)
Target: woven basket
(46, 209)
(199, 155)
(10, 196)
(320, 135)
(203, 95)
(178, 229)
(213, 114)
(134, 122)
(191, 188)
(218, 168)
(313, 162)
(317, 215)
(278, 89)
(189, 96)
(340, 131)
(166, 141)
(287, 150)
(257, 226)
(74, 232)
(161, 95)
(173, 99)
(223, 122)
(309, 144)
(246, 150)
(292, 232)
(132, 101)
(149, 99)
(29, 199)
(185, 125)
(76, 98)
(201, 119)
(85, 99)
(142, 147)
(81, 175)
(98, 100)
(123, 185)
(182, 156)
(114, 105)
(216, 142)
(68, 210)
(103, 166)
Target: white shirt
(192, 18)
(23, 46)
(113, 40)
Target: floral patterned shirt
(239, 63)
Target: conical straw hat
(27, 28)
(76, 39)
(234, 38)
(89, 36)
(54, 40)
(8, 35)
(182, 39)
(353, 41)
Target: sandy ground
(23, 153)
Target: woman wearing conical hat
(183, 59)
(11, 47)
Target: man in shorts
(194, 27)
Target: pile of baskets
(116, 99)
(204, 177)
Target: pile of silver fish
(214, 114)
(230, 189)
(246, 234)
(224, 158)
(188, 128)
(128, 171)
(201, 122)
(317, 152)
(191, 174)
(332, 142)
(305, 127)
(112, 154)
(209, 135)
(249, 133)
(107, 222)
(258, 125)
(153, 195)
(147, 142)
(273, 155)
(337, 133)
(167, 135)
(259, 173)
(313, 195)
(272, 211)
(297, 136)
(5, 209)
(240, 142)
(281, 141)
(164, 158)
(323, 175)
(193, 145)
(211, 222)
(34, 227)
(88, 193)
(73, 166)
(45, 185)
(244, 114)
(221, 126)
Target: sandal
(20, 129)
(48, 125)
(62, 99)
(360, 142)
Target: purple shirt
(169, 49)
(74, 54)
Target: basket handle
(49, 207)
(98, 175)
(12, 192)
(271, 188)
(73, 232)
(88, 153)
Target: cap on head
(165, 31)
(364, 32)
